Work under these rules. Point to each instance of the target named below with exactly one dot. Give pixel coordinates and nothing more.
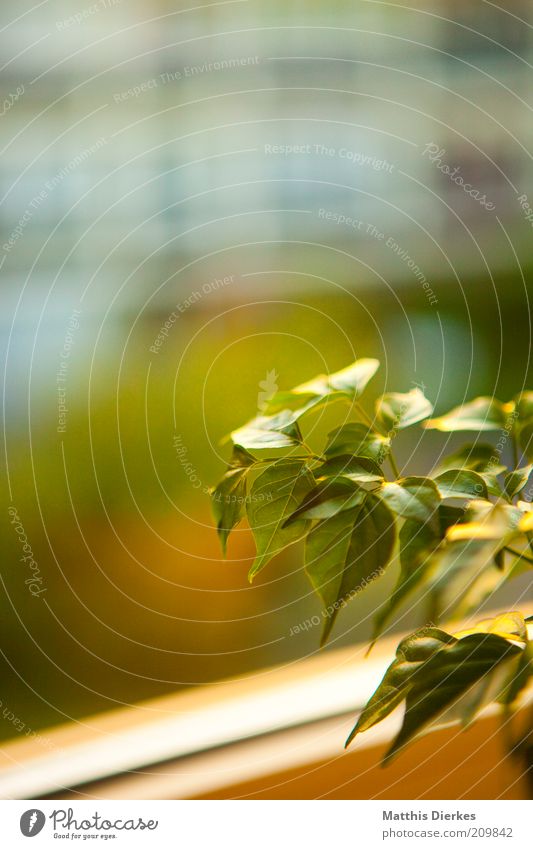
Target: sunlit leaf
(510, 626)
(355, 438)
(348, 383)
(279, 431)
(228, 498)
(461, 483)
(397, 410)
(480, 414)
(274, 495)
(344, 553)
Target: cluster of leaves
(458, 533)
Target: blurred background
(198, 201)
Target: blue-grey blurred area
(198, 202)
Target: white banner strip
(270, 823)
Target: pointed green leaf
(344, 553)
(412, 498)
(397, 410)
(461, 483)
(411, 654)
(329, 497)
(354, 379)
(348, 383)
(357, 439)
(228, 498)
(274, 495)
(279, 431)
(517, 480)
(446, 676)
(480, 414)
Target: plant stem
(394, 465)
(519, 554)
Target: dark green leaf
(357, 439)
(516, 481)
(411, 654)
(229, 496)
(344, 553)
(397, 410)
(480, 414)
(274, 495)
(446, 676)
(479, 457)
(329, 497)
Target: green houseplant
(458, 533)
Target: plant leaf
(411, 654)
(355, 438)
(357, 469)
(412, 498)
(228, 498)
(348, 383)
(347, 551)
(418, 543)
(461, 483)
(446, 676)
(397, 410)
(478, 457)
(279, 431)
(274, 495)
(517, 480)
(480, 414)
(327, 498)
